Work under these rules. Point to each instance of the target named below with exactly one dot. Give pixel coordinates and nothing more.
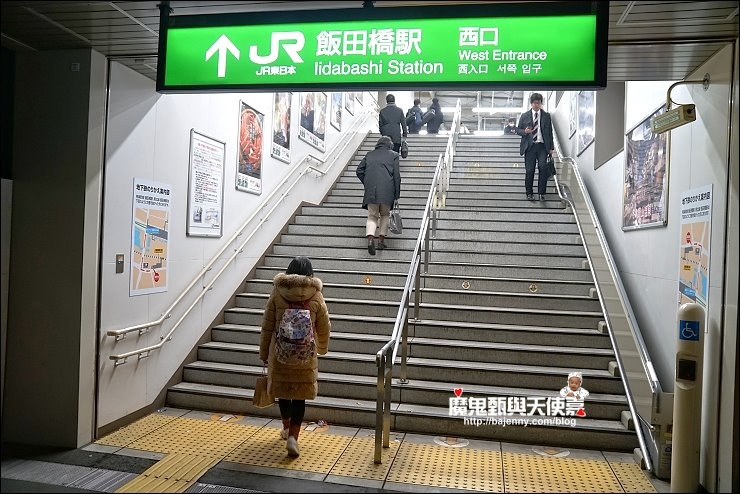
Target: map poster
(249, 158)
(696, 222)
(150, 237)
(205, 186)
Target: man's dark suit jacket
(545, 129)
(390, 122)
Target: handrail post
(404, 347)
(387, 399)
(379, 402)
(417, 289)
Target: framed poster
(586, 114)
(694, 243)
(358, 96)
(150, 239)
(645, 195)
(280, 148)
(335, 114)
(573, 114)
(349, 103)
(313, 120)
(205, 186)
(249, 157)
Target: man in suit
(535, 127)
(392, 122)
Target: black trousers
(397, 147)
(535, 157)
(295, 409)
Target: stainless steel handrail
(399, 336)
(335, 152)
(650, 374)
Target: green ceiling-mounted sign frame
(482, 46)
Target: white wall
(148, 138)
(648, 259)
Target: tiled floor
(183, 451)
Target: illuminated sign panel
(440, 47)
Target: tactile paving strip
(529, 473)
(357, 459)
(195, 437)
(454, 468)
(319, 451)
(631, 476)
(174, 473)
(126, 435)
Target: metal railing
(640, 380)
(386, 356)
(306, 165)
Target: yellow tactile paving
(531, 473)
(174, 473)
(126, 435)
(455, 468)
(196, 437)
(319, 450)
(357, 459)
(631, 476)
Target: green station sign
(553, 45)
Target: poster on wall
(586, 114)
(150, 237)
(645, 194)
(335, 114)
(349, 103)
(359, 96)
(573, 114)
(694, 243)
(249, 157)
(280, 148)
(313, 119)
(205, 186)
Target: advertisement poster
(280, 148)
(696, 226)
(249, 159)
(349, 103)
(358, 96)
(336, 110)
(645, 192)
(150, 237)
(205, 186)
(573, 115)
(313, 120)
(586, 115)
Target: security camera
(673, 118)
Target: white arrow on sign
(221, 45)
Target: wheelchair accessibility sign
(688, 330)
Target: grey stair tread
(484, 366)
(582, 423)
(432, 322)
(416, 383)
(511, 346)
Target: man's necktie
(536, 125)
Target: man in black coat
(380, 175)
(392, 122)
(535, 127)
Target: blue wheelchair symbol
(688, 330)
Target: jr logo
(292, 43)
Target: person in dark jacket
(380, 174)
(415, 124)
(294, 384)
(436, 122)
(392, 122)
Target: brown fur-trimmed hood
(296, 287)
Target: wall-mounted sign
(562, 44)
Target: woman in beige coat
(294, 384)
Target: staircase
(508, 307)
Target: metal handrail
(399, 336)
(628, 313)
(335, 152)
